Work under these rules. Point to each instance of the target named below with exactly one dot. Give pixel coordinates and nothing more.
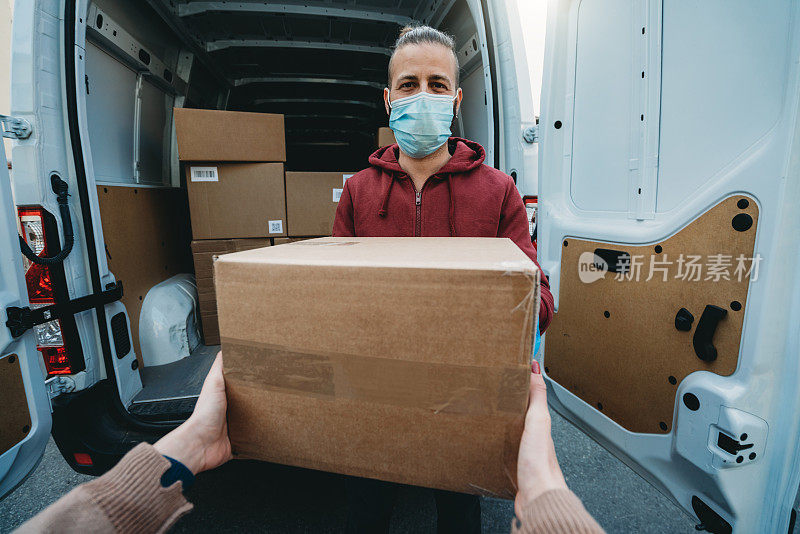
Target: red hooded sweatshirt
(464, 198)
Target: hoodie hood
(466, 156)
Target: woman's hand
(202, 443)
(537, 466)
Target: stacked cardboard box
(234, 165)
(204, 253)
(234, 172)
(385, 137)
(311, 201)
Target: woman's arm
(140, 494)
(544, 504)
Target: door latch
(15, 128)
(731, 445)
(737, 438)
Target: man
(433, 185)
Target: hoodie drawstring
(452, 206)
(385, 206)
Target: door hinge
(20, 320)
(15, 128)
(531, 134)
(59, 384)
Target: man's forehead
(433, 75)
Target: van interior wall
(146, 241)
(471, 122)
(324, 73)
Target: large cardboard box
(213, 135)
(236, 200)
(401, 359)
(285, 240)
(204, 252)
(311, 201)
(385, 137)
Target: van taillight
(39, 281)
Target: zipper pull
(419, 197)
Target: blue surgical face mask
(421, 122)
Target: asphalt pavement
(250, 496)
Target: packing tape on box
(256, 441)
(440, 388)
(530, 305)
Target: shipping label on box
(203, 174)
(401, 359)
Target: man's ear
(459, 98)
(386, 100)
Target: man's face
(422, 67)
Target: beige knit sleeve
(129, 498)
(555, 512)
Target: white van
(665, 125)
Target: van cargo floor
(170, 391)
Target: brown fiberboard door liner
(614, 343)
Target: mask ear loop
(455, 103)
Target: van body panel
(25, 416)
(36, 95)
(125, 372)
(603, 148)
(518, 97)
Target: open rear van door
(24, 404)
(669, 190)
(518, 30)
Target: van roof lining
(321, 63)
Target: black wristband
(177, 471)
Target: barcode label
(345, 177)
(276, 227)
(337, 194)
(204, 174)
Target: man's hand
(537, 465)
(202, 443)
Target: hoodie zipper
(418, 200)
(418, 228)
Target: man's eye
(406, 85)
